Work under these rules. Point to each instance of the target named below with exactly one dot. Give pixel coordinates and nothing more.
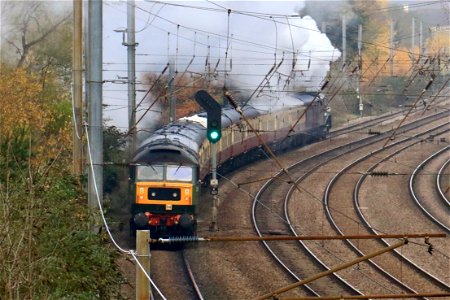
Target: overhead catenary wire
(275, 54)
(266, 17)
(282, 171)
(409, 111)
(222, 37)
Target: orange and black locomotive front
(165, 199)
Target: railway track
(346, 225)
(370, 227)
(172, 273)
(185, 283)
(367, 124)
(336, 284)
(193, 281)
(442, 182)
(431, 204)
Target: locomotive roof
(180, 141)
(182, 137)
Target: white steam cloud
(245, 44)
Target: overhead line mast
(94, 99)
(131, 52)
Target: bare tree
(29, 23)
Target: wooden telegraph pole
(77, 87)
(143, 256)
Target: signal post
(214, 134)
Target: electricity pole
(77, 87)
(420, 40)
(391, 49)
(171, 89)
(131, 51)
(344, 41)
(95, 138)
(361, 107)
(413, 39)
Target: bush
(47, 247)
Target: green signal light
(214, 136)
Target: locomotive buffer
(214, 134)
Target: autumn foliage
(184, 88)
(36, 112)
(48, 250)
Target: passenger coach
(171, 164)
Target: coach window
(179, 173)
(149, 172)
(244, 130)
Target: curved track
(337, 283)
(437, 211)
(429, 280)
(438, 282)
(439, 178)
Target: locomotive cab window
(149, 172)
(179, 173)
(165, 172)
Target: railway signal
(213, 133)
(214, 127)
(214, 115)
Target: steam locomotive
(170, 166)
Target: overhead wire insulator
(177, 239)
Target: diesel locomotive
(170, 166)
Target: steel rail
(350, 145)
(288, 196)
(191, 276)
(368, 123)
(368, 226)
(337, 228)
(438, 182)
(416, 198)
(332, 271)
(389, 296)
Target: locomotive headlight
(187, 194)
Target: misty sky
(246, 43)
